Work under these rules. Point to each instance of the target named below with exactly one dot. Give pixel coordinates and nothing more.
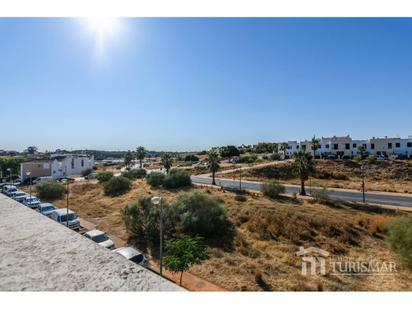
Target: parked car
(380, 157)
(8, 189)
(91, 176)
(21, 198)
(32, 202)
(46, 209)
(101, 238)
(17, 194)
(44, 179)
(132, 255)
(60, 215)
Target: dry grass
(267, 235)
(386, 176)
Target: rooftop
(38, 254)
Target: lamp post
(11, 179)
(28, 174)
(363, 182)
(67, 202)
(240, 179)
(157, 200)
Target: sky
(189, 84)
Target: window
(364, 145)
(372, 146)
(335, 146)
(347, 146)
(304, 147)
(297, 146)
(72, 163)
(409, 145)
(327, 146)
(354, 146)
(82, 162)
(398, 145)
(389, 145)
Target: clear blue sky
(188, 84)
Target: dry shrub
(375, 225)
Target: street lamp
(11, 179)
(157, 200)
(28, 174)
(363, 182)
(67, 202)
(240, 179)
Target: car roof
(63, 211)
(32, 197)
(128, 252)
(46, 205)
(94, 233)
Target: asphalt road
(353, 196)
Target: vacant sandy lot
(267, 233)
(388, 176)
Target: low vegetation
(155, 179)
(87, 172)
(117, 186)
(50, 190)
(273, 189)
(104, 176)
(135, 174)
(400, 239)
(177, 179)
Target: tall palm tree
(128, 158)
(303, 166)
(315, 145)
(140, 154)
(167, 161)
(213, 158)
(361, 150)
(284, 148)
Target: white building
(59, 166)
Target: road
(346, 195)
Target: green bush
(191, 158)
(135, 174)
(272, 189)
(177, 179)
(155, 179)
(275, 157)
(87, 172)
(371, 159)
(400, 239)
(250, 158)
(201, 214)
(142, 220)
(320, 195)
(117, 186)
(104, 176)
(50, 190)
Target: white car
(132, 255)
(8, 189)
(60, 215)
(100, 238)
(32, 202)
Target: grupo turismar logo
(316, 261)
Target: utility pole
(67, 202)
(363, 182)
(240, 179)
(156, 200)
(29, 174)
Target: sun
(104, 30)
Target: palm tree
(140, 154)
(284, 148)
(167, 161)
(303, 166)
(213, 158)
(315, 145)
(361, 150)
(128, 158)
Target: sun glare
(104, 30)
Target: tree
(303, 166)
(284, 148)
(229, 151)
(213, 158)
(117, 186)
(315, 145)
(140, 154)
(361, 150)
(184, 252)
(167, 161)
(31, 149)
(128, 158)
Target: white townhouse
(390, 145)
(59, 166)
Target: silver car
(100, 238)
(132, 255)
(32, 202)
(46, 209)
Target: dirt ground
(386, 176)
(267, 233)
